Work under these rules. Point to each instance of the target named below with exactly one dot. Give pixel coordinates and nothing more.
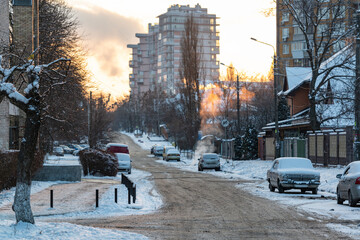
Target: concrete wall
(70, 173)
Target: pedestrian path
(67, 198)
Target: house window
(22, 2)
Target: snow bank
(9, 230)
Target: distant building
(155, 60)
(18, 30)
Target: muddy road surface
(202, 206)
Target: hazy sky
(109, 25)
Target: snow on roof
(296, 76)
(116, 145)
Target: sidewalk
(68, 198)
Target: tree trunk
(312, 115)
(21, 206)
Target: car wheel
(303, 191)
(271, 187)
(338, 198)
(200, 169)
(352, 202)
(280, 188)
(314, 191)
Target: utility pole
(237, 104)
(277, 138)
(357, 90)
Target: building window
(297, 31)
(285, 34)
(22, 2)
(285, 17)
(297, 46)
(322, 30)
(324, 13)
(285, 49)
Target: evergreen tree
(250, 144)
(283, 109)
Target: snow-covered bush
(98, 162)
(8, 165)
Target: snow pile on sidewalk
(60, 231)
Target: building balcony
(215, 50)
(132, 84)
(131, 63)
(131, 76)
(140, 81)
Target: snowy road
(203, 206)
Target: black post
(97, 198)
(134, 193)
(51, 198)
(115, 195)
(129, 200)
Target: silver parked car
(348, 187)
(209, 161)
(293, 173)
(124, 161)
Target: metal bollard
(97, 198)
(51, 198)
(129, 200)
(134, 193)
(116, 195)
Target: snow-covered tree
(250, 144)
(283, 109)
(20, 84)
(325, 29)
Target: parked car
(293, 173)
(66, 149)
(348, 187)
(158, 150)
(124, 162)
(152, 149)
(117, 148)
(58, 151)
(165, 149)
(173, 154)
(209, 161)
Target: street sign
(225, 123)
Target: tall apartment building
(18, 29)
(155, 60)
(291, 46)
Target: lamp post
(237, 98)
(277, 139)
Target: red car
(117, 148)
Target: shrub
(8, 166)
(96, 162)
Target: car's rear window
(210, 156)
(118, 149)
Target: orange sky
(109, 25)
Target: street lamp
(237, 98)
(277, 142)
